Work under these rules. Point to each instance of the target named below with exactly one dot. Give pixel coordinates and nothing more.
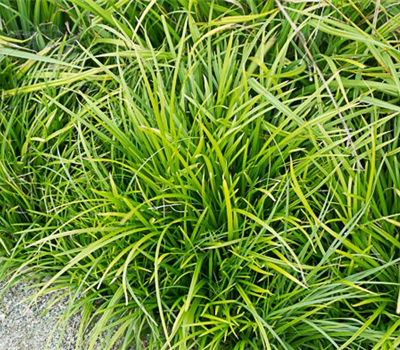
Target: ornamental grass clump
(205, 174)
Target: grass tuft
(205, 174)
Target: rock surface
(26, 326)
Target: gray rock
(29, 326)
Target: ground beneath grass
(26, 326)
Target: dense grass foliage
(205, 174)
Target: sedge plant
(205, 174)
